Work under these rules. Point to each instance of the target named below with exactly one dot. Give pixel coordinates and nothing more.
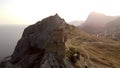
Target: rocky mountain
(52, 43)
(96, 22)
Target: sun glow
(30, 11)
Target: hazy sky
(30, 11)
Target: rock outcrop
(46, 45)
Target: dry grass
(103, 52)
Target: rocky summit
(52, 43)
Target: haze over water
(9, 35)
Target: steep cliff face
(43, 41)
(52, 43)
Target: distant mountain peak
(96, 22)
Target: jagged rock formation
(52, 43)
